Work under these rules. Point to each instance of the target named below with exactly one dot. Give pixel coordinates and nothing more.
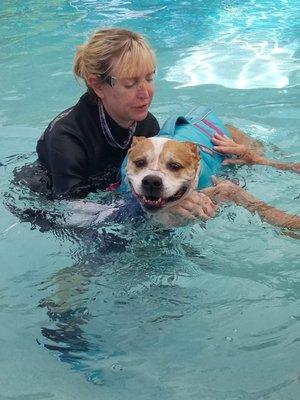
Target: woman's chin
(140, 113)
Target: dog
(162, 172)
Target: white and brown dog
(161, 172)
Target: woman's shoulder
(74, 120)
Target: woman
(83, 148)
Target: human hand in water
(223, 190)
(226, 146)
(196, 205)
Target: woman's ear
(93, 83)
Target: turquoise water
(94, 310)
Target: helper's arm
(225, 190)
(247, 155)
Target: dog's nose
(152, 181)
(152, 184)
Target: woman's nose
(143, 90)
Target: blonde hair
(125, 50)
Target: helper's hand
(223, 190)
(244, 154)
(195, 205)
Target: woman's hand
(223, 190)
(196, 205)
(244, 154)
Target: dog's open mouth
(153, 203)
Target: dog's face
(161, 172)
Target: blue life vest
(198, 128)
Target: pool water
(98, 310)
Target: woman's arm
(65, 158)
(225, 190)
(246, 155)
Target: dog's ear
(137, 139)
(194, 150)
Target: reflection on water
(256, 46)
(133, 309)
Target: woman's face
(127, 99)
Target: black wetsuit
(75, 155)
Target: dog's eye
(174, 166)
(140, 163)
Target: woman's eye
(150, 78)
(140, 163)
(129, 83)
(174, 166)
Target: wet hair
(126, 51)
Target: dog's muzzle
(152, 193)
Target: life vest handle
(169, 127)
